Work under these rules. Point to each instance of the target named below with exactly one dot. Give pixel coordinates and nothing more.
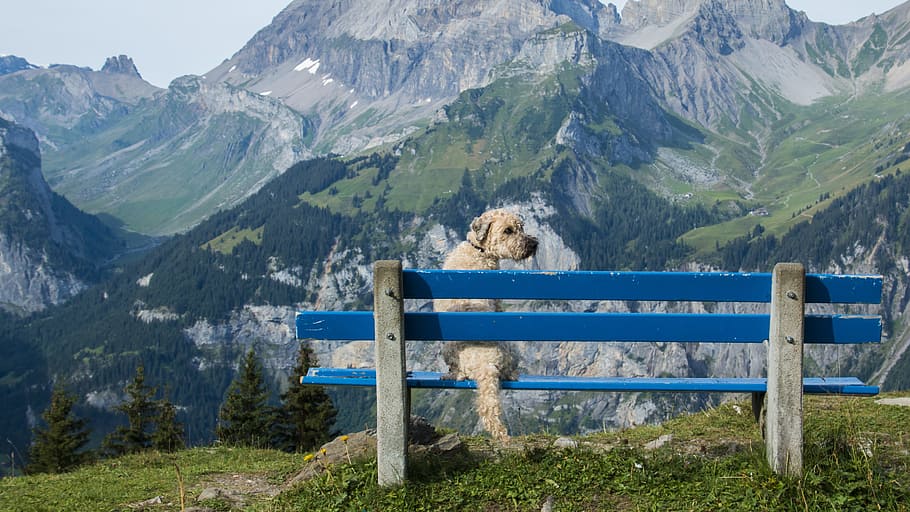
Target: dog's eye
(509, 231)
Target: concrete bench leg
(784, 418)
(392, 404)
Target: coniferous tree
(245, 417)
(306, 415)
(141, 411)
(56, 449)
(168, 435)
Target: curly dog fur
(494, 235)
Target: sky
(171, 38)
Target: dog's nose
(532, 245)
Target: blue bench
(785, 328)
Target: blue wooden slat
(843, 289)
(656, 286)
(621, 327)
(843, 329)
(813, 385)
(659, 327)
(564, 285)
(335, 325)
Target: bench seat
(811, 385)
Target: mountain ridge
(355, 77)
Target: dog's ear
(480, 226)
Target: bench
(785, 329)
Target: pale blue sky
(170, 38)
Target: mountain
(156, 160)
(49, 250)
(351, 76)
(681, 135)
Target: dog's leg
(489, 406)
(483, 364)
(450, 354)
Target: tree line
(301, 422)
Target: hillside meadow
(857, 458)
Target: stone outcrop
(122, 65)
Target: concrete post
(784, 415)
(391, 386)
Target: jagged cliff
(48, 249)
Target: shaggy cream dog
(495, 235)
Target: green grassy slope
(856, 458)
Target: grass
(225, 242)
(114, 484)
(856, 458)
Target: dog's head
(501, 234)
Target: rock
(902, 401)
(120, 64)
(217, 493)
(421, 432)
(565, 443)
(547, 505)
(448, 443)
(147, 503)
(343, 449)
(660, 441)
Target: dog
(495, 235)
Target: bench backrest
(624, 327)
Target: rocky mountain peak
(771, 20)
(11, 64)
(121, 64)
(647, 23)
(640, 13)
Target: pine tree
(307, 413)
(141, 411)
(168, 435)
(56, 449)
(245, 418)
